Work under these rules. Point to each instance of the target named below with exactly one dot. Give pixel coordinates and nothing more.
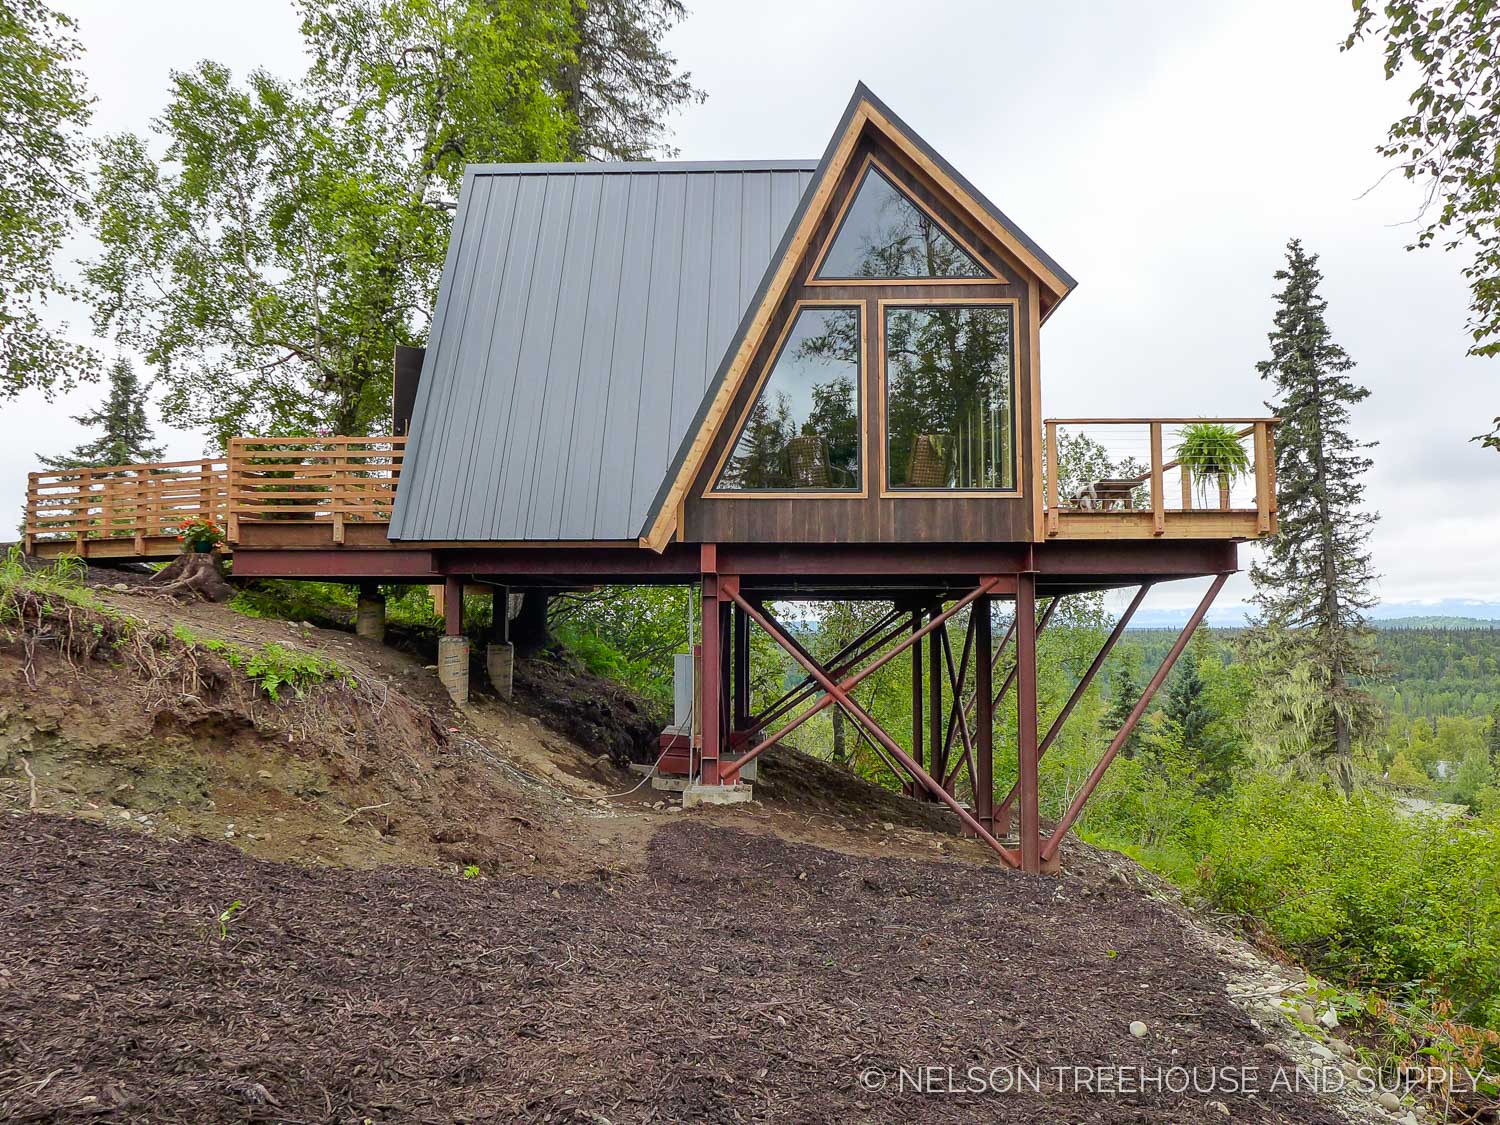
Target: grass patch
(58, 584)
(271, 667)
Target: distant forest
(1436, 666)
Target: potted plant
(1209, 451)
(200, 534)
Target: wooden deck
(335, 494)
(1157, 498)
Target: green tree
(619, 84)
(44, 108)
(290, 234)
(1474, 775)
(126, 434)
(1492, 736)
(1450, 139)
(1124, 694)
(1315, 579)
(1404, 773)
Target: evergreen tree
(1124, 694)
(1492, 737)
(126, 433)
(1186, 706)
(1315, 579)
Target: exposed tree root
(194, 575)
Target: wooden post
(1026, 744)
(33, 491)
(1051, 514)
(1158, 500)
(1187, 487)
(336, 498)
(984, 742)
(233, 482)
(1263, 497)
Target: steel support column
(984, 735)
(711, 672)
(934, 692)
(917, 709)
(1002, 813)
(741, 669)
(1026, 745)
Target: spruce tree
(126, 435)
(1315, 579)
(1124, 694)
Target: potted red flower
(200, 534)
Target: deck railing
(326, 480)
(134, 502)
(1121, 478)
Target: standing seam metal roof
(583, 311)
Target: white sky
(1162, 152)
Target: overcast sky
(1162, 152)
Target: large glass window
(803, 431)
(949, 397)
(885, 234)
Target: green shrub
(1359, 888)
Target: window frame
(873, 162)
(861, 403)
(885, 490)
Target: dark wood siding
(874, 518)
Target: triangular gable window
(803, 431)
(886, 235)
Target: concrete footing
(369, 617)
(671, 783)
(453, 667)
(500, 663)
(736, 794)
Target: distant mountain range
(1449, 614)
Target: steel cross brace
(1053, 842)
(733, 766)
(1002, 811)
(840, 693)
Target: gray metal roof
(583, 310)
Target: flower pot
(203, 546)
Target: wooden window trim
(872, 161)
(885, 492)
(713, 492)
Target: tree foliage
(125, 437)
(1315, 578)
(44, 108)
(276, 241)
(1450, 139)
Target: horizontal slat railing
(136, 502)
(1125, 476)
(326, 480)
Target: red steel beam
(732, 769)
(957, 721)
(1083, 685)
(808, 687)
(875, 729)
(1092, 782)
(1026, 757)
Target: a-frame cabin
(774, 380)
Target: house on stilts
(772, 381)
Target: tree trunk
(529, 632)
(840, 739)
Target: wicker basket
(808, 461)
(926, 463)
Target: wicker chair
(807, 457)
(926, 469)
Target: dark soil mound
(600, 715)
(744, 978)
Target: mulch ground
(740, 978)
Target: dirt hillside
(361, 903)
